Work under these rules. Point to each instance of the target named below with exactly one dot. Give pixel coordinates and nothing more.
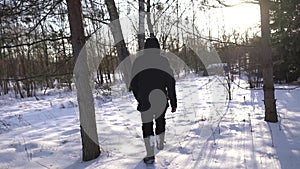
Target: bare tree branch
(97, 20)
(37, 76)
(44, 17)
(33, 43)
(221, 2)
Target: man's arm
(134, 85)
(172, 93)
(170, 83)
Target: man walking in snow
(153, 84)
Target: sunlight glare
(241, 17)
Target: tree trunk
(141, 33)
(150, 25)
(117, 33)
(269, 98)
(19, 90)
(88, 129)
(5, 88)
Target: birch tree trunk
(90, 143)
(141, 33)
(149, 23)
(267, 65)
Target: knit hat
(152, 43)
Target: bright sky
(217, 21)
(240, 18)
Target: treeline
(35, 42)
(244, 53)
(35, 47)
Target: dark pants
(147, 120)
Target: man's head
(152, 43)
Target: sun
(241, 17)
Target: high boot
(149, 144)
(160, 140)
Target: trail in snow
(207, 131)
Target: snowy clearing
(207, 131)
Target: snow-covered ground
(207, 131)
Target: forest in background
(36, 51)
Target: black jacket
(152, 71)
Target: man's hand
(173, 109)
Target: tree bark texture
(149, 23)
(88, 129)
(267, 65)
(141, 33)
(120, 44)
